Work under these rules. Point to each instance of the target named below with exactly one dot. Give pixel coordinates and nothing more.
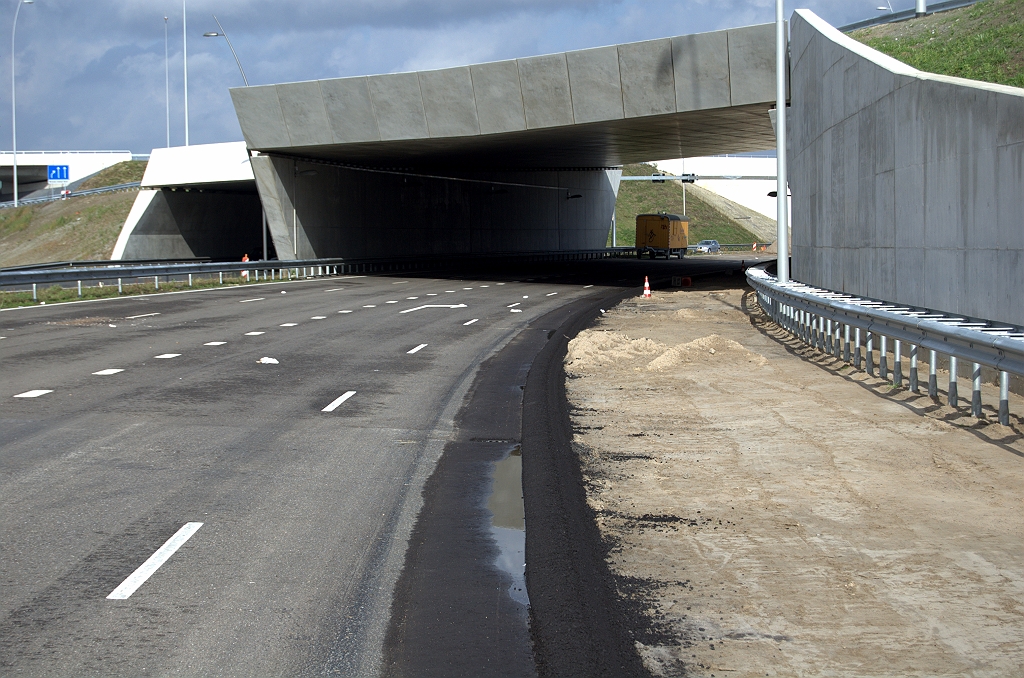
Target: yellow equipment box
(662, 235)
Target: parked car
(708, 246)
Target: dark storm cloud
(91, 74)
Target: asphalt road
(305, 514)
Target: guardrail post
(828, 339)
(856, 348)
(976, 391)
(190, 280)
(221, 277)
(156, 281)
(869, 358)
(1004, 398)
(35, 295)
(119, 286)
(79, 288)
(914, 386)
(897, 364)
(883, 359)
(953, 399)
(846, 343)
(933, 380)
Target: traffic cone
(647, 288)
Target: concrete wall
(491, 111)
(907, 186)
(167, 224)
(321, 210)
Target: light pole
(14, 107)
(167, 84)
(223, 34)
(184, 43)
(781, 66)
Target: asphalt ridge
(580, 626)
(451, 615)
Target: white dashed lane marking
(319, 317)
(417, 349)
(370, 306)
(449, 291)
(144, 315)
(338, 401)
(390, 302)
(513, 305)
(587, 286)
(485, 286)
(288, 324)
(345, 311)
(107, 373)
(165, 356)
(335, 289)
(246, 301)
(33, 394)
(431, 294)
(551, 294)
(253, 334)
(471, 321)
(215, 343)
(412, 298)
(153, 563)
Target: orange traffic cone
(647, 288)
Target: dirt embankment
(783, 516)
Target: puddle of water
(508, 524)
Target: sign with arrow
(410, 310)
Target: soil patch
(770, 511)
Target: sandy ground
(779, 514)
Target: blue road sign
(57, 172)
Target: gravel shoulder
(775, 513)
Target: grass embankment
(75, 229)
(56, 294)
(643, 197)
(981, 42)
(122, 173)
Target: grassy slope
(641, 197)
(68, 230)
(64, 230)
(982, 42)
(122, 173)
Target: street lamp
(184, 49)
(888, 8)
(223, 34)
(782, 221)
(167, 84)
(14, 108)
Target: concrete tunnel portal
(503, 157)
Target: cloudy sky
(90, 75)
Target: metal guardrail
(73, 194)
(272, 270)
(826, 320)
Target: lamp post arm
(224, 33)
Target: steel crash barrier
(129, 271)
(852, 328)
